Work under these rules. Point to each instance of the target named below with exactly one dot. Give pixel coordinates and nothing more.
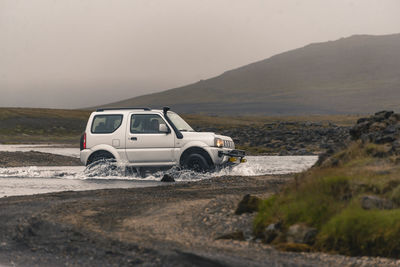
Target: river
(37, 180)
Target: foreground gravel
(172, 225)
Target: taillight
(84, 141)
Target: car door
(145, 143)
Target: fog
(81, 53)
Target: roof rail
(103, 109)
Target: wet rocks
(301, 234)
(167, 178)
(369, 202)
(248, 204)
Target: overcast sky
(80, 53)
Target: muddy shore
(171, 225)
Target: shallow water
(35, 180)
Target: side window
(146, 123)
(106, 123)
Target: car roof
(126, 110)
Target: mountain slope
(358, 74)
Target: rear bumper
(85, 155)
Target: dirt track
(172, 225)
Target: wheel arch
(109, 151)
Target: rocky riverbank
(286, 137)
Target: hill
(358, 74)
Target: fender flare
(196, 146)
(106, 148)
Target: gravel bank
(34, 158)
(172, 225)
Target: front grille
(229, 144)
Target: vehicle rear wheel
(196, 162)
(101, 158)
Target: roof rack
(103, 109)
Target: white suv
(144, 137)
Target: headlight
(218, 142)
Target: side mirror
(163, 128)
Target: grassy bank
(329, 198)
(26, 125)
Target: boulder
(357, 130)
(302, 234)
(248, 204)
(271, 232)
(369, 202)
(167, 178)
(382, 115)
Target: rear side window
(106, 123)
(146, 123)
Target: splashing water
(256, 165)
(35, 180)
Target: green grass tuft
(355, 231)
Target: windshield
(179, 123)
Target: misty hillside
(359, 74)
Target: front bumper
(233, 153)
(234, 156)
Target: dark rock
(361, 120)
(369, 202)
(384, 114)
(385, 139)
(357, 130)
(299, 233)
(234, 235)
(391, 129)
(167, 178)
(271, 232)
(248, 204)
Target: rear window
(106, 123)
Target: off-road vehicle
(151, 138)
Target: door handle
(134, 138)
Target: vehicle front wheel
(196, 162)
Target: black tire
(100, 158)
(196, 162)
